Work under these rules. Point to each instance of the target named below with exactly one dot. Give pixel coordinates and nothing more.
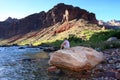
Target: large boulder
(76, 58)
(112, 39)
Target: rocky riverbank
(109, 69)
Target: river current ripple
(11, 66)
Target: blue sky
(104, 9)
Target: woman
(65, 44)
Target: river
(23, 64)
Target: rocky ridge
(52, 33)
(40, 21)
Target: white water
(11, 67)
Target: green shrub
(104, 35)
(95, 39)
(73, 38)
(99, 40)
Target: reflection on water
(13, 68)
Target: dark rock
(28, 60)
(21, 48)
(50, 49)
(109, 74)
(117, 75)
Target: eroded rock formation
(43, 19)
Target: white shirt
(66, 44)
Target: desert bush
(104, 35)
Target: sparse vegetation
(80, 33)
(98, 40)
(95, 39)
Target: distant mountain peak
(10, 20)
(109, 23)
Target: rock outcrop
(43, 19)
(11, 20)
(76, 58)
(112, 39)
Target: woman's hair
(65, 38)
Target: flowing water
(23, 64)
